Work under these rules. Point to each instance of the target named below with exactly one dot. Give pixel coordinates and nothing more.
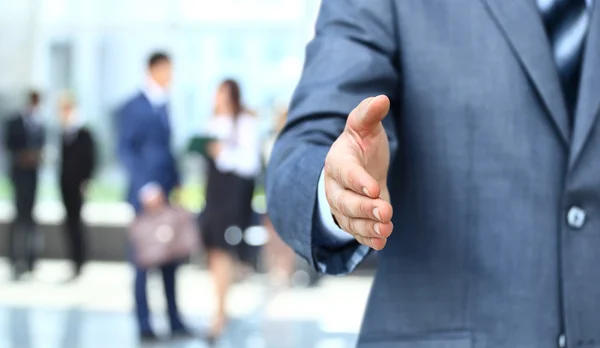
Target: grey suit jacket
(496, 197)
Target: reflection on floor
(74, 328)
(94, 311)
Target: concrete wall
(18, 31)
(17, 42)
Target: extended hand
(355, 173)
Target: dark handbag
(166, 236)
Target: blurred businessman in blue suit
(477, 122)
(25, 138)
(145, 150)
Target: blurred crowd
(163, 235)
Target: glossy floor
(74, 328)
(43, 312)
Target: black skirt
(228, 210)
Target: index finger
(352, 176)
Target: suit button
(576, 217)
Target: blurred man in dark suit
(24, 141)
(78, 162)
(144, 131)
(469, 128)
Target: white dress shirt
(336, 234)
(241, 144)
(326, 218)
(32, 118)
(75, 124)
(157, 95)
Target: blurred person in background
(78, 163)
(279, 257)
(460, 139)
(24, 140)
(144, 132)
(235, 163)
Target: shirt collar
(156, 94)
(75, 125)
(30, 116)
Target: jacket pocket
(445, 340)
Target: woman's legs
(280, 258)
(221, 266)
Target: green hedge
(106, 192)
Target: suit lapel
(26, 128)
(160, 113)
(22, 126)
(163, 114)
(589, 90)
(522, 24)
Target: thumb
(365, 119)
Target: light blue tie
(567, 23)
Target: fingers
(354, 177)
(364, 231)
(353, 205)
(375, 243)
(365, 228)
(370, 112)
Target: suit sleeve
(43, 137)
(11, 142)
(127, 139)
(176, 172)
(7, 137)
(130, 138)
(353, 56)
(91, 157)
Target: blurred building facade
(98, 48)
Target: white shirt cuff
(331, 229)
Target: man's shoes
(149, 337)
(16, 274)
(74, 276)
(216, 330)
(182, 333)
(77, 270)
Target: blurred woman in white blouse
(236, 161)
